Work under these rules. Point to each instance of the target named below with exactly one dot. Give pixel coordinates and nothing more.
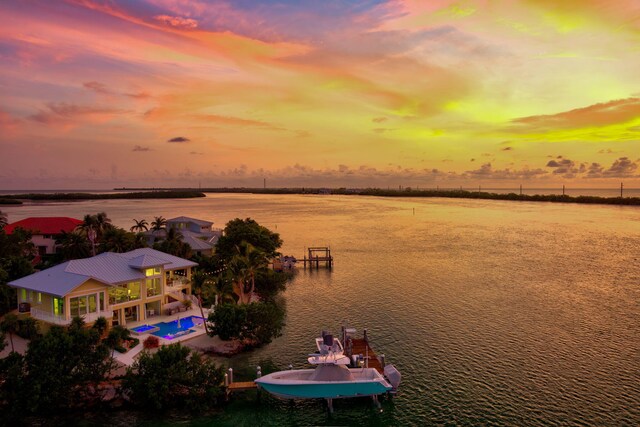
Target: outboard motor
(393, 375)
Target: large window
(83, 305)
(58, 306)
(123, 293)
(154, 287)
(152, 271)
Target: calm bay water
(496, 313)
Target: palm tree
(73, 245)
(158, 223)
(223, 287)
(99, 223)
(100, 325)
(244, 266)
(199, 280)
(88, 223)
(3, 220)
(173, 244)
(103, 222)
(139, 240)
(77, 323)
(9, 325)
(116, 335)
(238, 273)
(116, 240)
(141, 225)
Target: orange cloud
(602, 114)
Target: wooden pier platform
(238, 387)
(361, 346)
(317, 256)
(242, 386)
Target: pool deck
(129, 357)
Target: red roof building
(44, 230)
(45, 225)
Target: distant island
(410, 192)
(160, 194)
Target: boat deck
(361, 346)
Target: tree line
(71, 368)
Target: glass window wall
(154, 287)
(124, 293)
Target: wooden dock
(241, 386)
(361, 346)
(231, 386)
(317, 256)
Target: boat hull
(290, 388)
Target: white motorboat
(331, 379)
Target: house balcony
(177, 283)
(48, 317)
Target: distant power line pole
(621, 187)
(265, 183)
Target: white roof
(109, 268)
(187, 219)
(195, 240)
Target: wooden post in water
(563, 189)
(521, 189)
(621, 187)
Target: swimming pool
(173, 329)
(144, 329)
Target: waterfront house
(44, 230)
(198, 234)
(126, 287)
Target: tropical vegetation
(16, 253)
(56, 371)
(140, 226)
(256, 323)
(173, 244)
(67, 368)
(168, 194)
(173, 376)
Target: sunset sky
(100, 94)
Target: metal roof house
(198, 234)
(120, 287)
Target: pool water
(144, 328)
(175, 328)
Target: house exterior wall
(42, 304)
(48, 243)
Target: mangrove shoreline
(409, 192)
(148, 194)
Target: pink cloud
(176, 21)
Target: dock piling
(330, 405)
(317, 255)
(376, 402)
